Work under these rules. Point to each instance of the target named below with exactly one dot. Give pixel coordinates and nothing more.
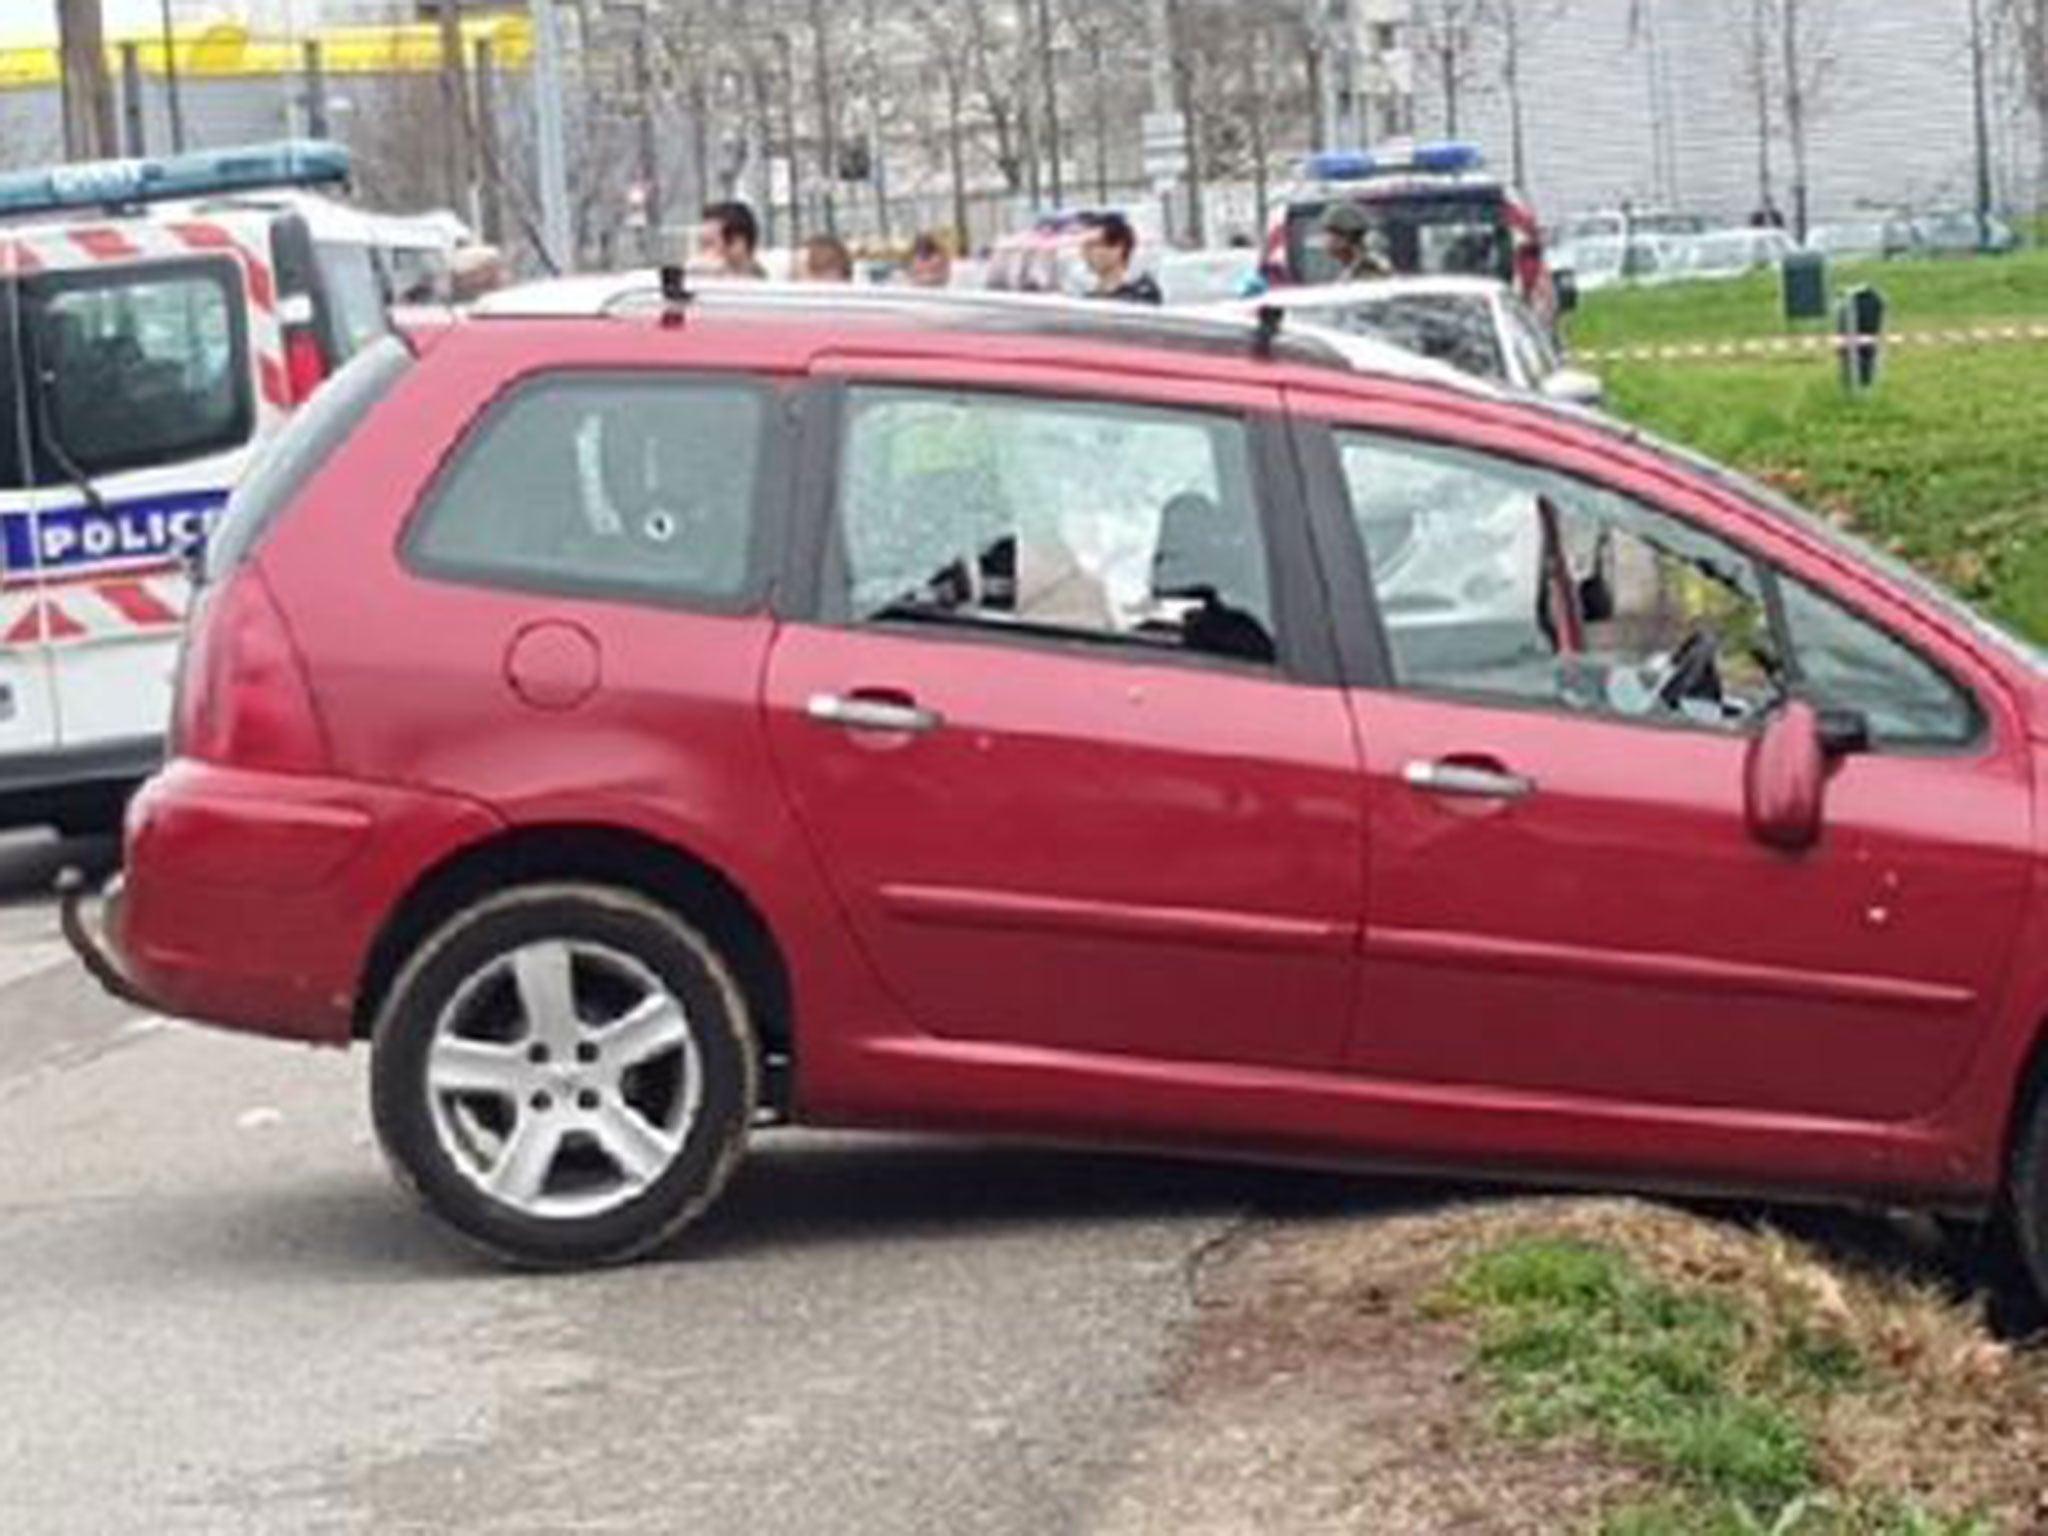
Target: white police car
(158, 319)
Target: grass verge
(1736, 1400)
(1946, 463)
(1918, 294)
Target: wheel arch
(690, 886)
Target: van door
(28, 716)
(148, 404)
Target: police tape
(1801, 346)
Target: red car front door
(1055, 732)
(1565, 895)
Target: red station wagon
(636, 717)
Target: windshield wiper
(46, 428)
(74, 473)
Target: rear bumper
(251, 900)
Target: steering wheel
(1691, 672)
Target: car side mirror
(1785, 778)
(1574, 386)
(1843, 733)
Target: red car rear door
(1569, 665)
(1061, 723)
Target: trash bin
(1860, 319)
(1804, 275)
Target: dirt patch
(1320, 1391)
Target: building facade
(1657, 102)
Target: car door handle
(1468, 781)
(860, 712)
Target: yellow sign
(227, 51)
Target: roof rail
(663, 293)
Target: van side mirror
(1785, 777)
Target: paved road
(216, 1313)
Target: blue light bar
(1342, 165)
(1437, 159)
(206, 173)
(1447, 159)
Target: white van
(158, 319)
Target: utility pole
(455, 110)
(88, 90)
(1510, 19)
(1795, 117)
(553, 154)
(171, 86)
(878, 176)
(134, 141)
(1350, 128)
(316, 89)
(1164, 104)
(1760, 59)
(1316, 69)
(1052, 99)
(787, 48)
(650, 159)
(491, 190)
(1100, 103)
(828, 119)
(1027, 114)
(954, 163)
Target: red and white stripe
(107, 244)
(92, 607)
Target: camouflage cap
(1347, 219)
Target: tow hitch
(85, 931)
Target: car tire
(565, 1075)
(2028, 1193)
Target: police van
(1434, 210)
(159, 318)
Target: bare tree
(994, 67)
(1808, 62)
(1754, 24)
(2028, 23)
(389, 118)
(1980, 115)
(1514, 27)
(1448, 34)
(1093, 34)
(952, 37)
(1241, 99)
(824, 87)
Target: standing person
(1347, 236)
(1108, 249)
(474, 271)
(728, 241)
(825, 260)
(931, 263)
